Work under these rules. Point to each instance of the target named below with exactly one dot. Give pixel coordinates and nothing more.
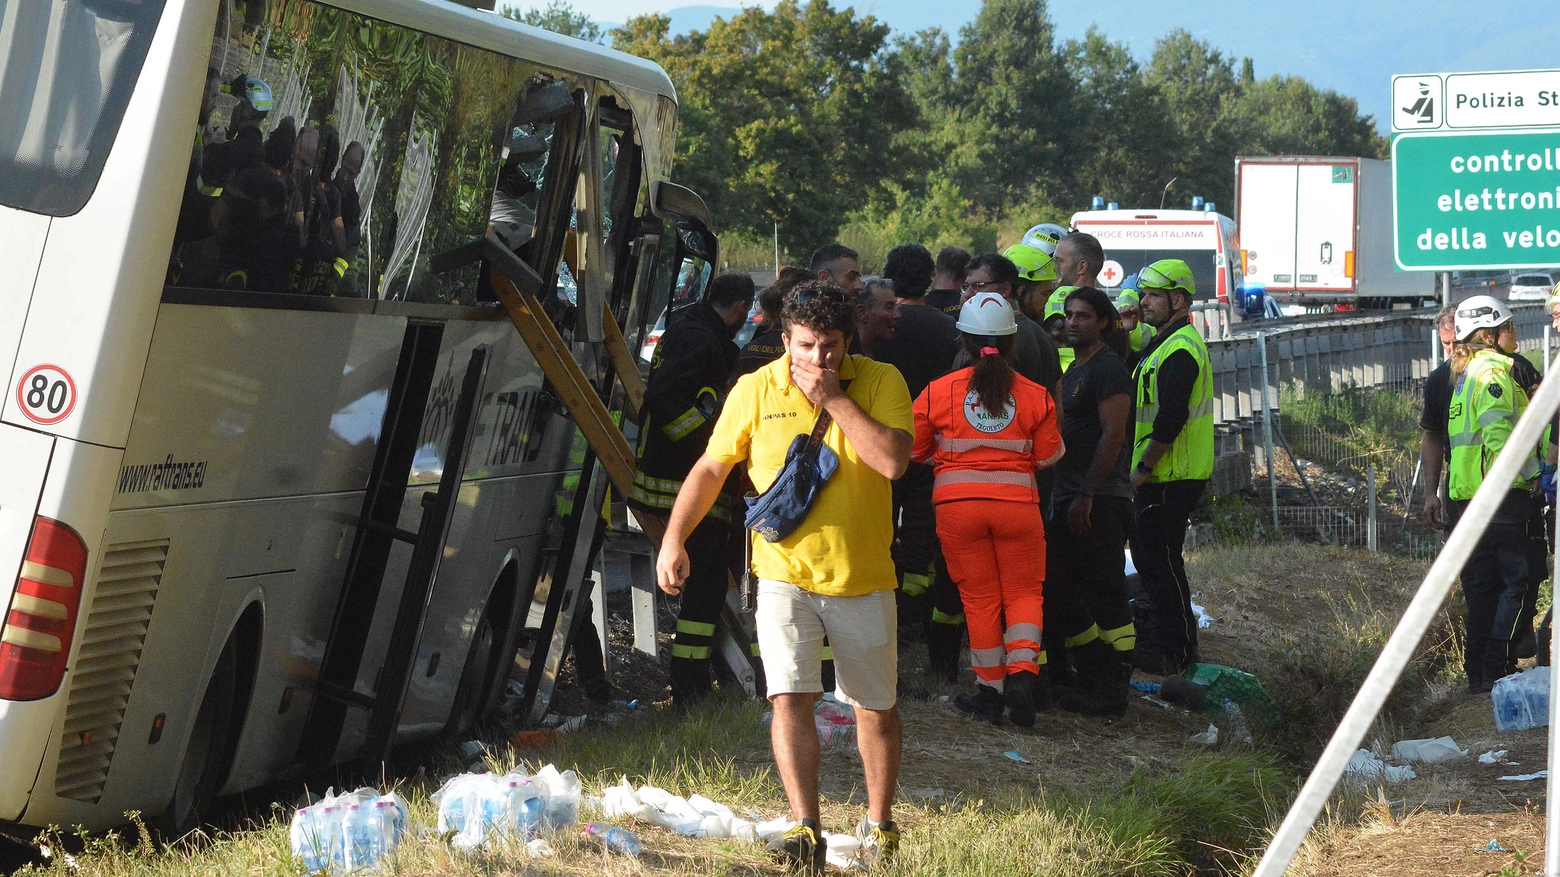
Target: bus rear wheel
(475, 696)
(204, 766)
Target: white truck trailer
(1318, 231)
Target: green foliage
(810, 117)
(1352, 427)
(786, 115)
(558, 16)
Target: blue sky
(1346, 45)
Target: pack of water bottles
(481, 807)
(349, 832)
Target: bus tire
(204, 766)
(474, 694)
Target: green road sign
(1476, 200)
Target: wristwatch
(1145, 468)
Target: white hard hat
(1480, 312)
(1044, 236)
(986, 314)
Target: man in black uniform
(924, 344)
(1086, 537)
(689, 376)
(952, 263)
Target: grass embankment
(1128, 797)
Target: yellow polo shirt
(842, 548)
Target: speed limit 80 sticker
(46, 393)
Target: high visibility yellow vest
(1191, 455)
(1486, 404)
(1138, 338)
(1066, 355)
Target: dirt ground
(1269, 603)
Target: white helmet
(987, 314)
(1480, 312)
(1044, 236)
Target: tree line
(825, 124)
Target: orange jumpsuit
(988, 512)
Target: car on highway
(1530, 287)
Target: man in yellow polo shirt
(833, 576)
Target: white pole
(1267, 430)
(1552, 816)
(1371, 540)
(777, 251)
(1410, 630)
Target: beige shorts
(863, 635)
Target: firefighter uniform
(688, 377)
(1486, 404)
(1162, 506)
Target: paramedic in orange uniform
(987, 430)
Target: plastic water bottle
(328, 822)
(528, 804)
(452, 811)
(618, 840)
(311, 839)
(495, 805)
(364, 836)
(1521, 700)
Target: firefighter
(987, 430)
(1486, 404)
(1172, 459)
(688, 379)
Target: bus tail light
(35, 641)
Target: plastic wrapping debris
(690, 817)
(1235, 724)
(1203, 618)
(348, 832)
(1495, 847)
(1209, 738)
(1521, 700)
(480, 807)
(1145, 687)
(1524, 777)
(1015, 755)
(1494, 756)
(836, 722)
(1428, 751)
(1366, 766)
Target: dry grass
(1118, 796)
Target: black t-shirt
(945, 300)
(1438, 401)
(1084, 387)
(924, 344)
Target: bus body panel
(222, 418)
(24, 235)
(103, 268)
(279, 409)
(25, 724)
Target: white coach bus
(224, 541)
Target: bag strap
(821, 425)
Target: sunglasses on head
(803, 296)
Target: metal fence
(1341, 427)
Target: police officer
(688, 380)
(1486, 404)
(1172, 459)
